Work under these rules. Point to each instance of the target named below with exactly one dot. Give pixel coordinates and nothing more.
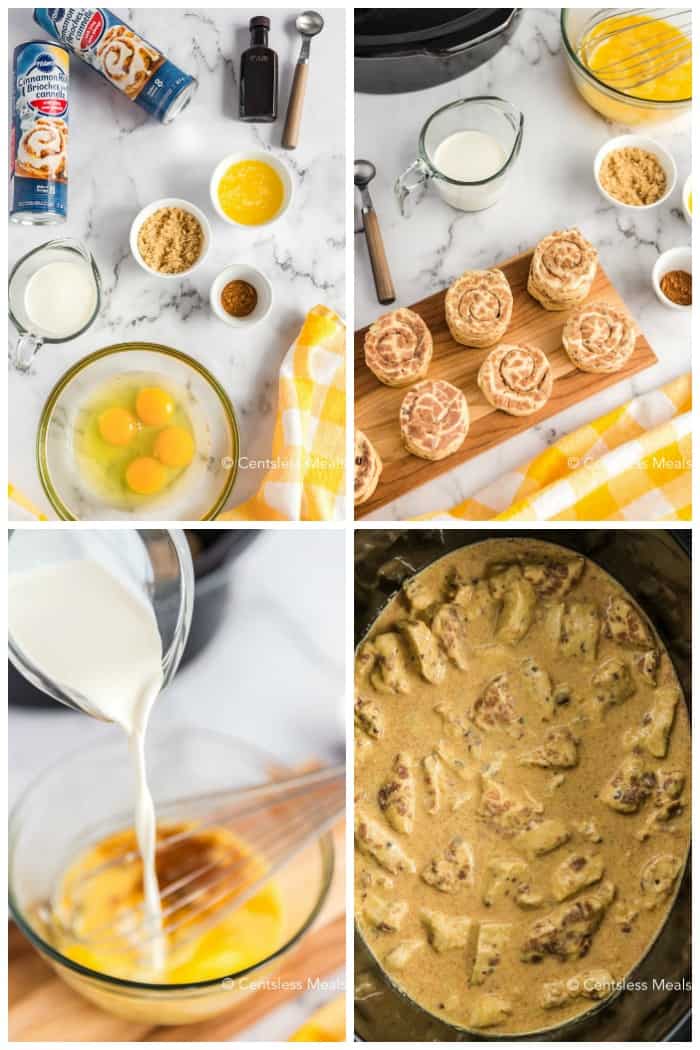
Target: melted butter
(443, 981)
(251, 192)
(86, 925)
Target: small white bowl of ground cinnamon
(635, 172)
(672, 278)
(170, 237)
(241, 295)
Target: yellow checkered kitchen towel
(633, 464)
(306, 481)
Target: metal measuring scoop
(364, 173)
(309, 24)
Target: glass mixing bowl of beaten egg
(138, 430)
(636, 41)
(77, 813)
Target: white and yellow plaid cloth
(307, 479)
(633, 464)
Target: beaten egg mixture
(642, 45)
(92, 923)
(522, 813)
(133, 439)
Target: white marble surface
(273, 675)
(121, 159)
(552, 187)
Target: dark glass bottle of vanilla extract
(258, 98)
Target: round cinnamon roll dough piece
(562, 270)
(434, 419)
(599, 337)
(478, 307)
(516, 378)
(399, 348)
(368, 467)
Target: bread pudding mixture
(522, 812)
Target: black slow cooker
(408, 49)
(654, 566)
(212, 551)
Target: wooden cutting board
(42, 1008)
(377, 406)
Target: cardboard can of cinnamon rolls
(121, 57)
(39, 133)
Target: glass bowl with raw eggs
(64, 894)
(251, 189)
(138, 431)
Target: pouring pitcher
(486, 119)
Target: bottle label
(39, 136)
(122, 57)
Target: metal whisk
(272, 822)
(663, 54)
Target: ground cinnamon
(239, 298)
(677, 286)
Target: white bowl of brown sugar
(635, 172)
(170, 237)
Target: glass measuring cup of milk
(155, 565)
(53, 296)
(467, 149)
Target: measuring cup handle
(26, 348)
(411, 186)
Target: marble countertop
(551, 187)
(291, 705)
(121, 159)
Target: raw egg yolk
(146, 476)
(174, 447)
(154, 406)
(117, 426)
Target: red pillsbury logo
(93, 31)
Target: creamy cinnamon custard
(522, 814)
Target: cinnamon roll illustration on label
(599, 337)
(42, 151)
(562, 270)
(126, 60)
(368, 468)
(516, 378)
(478, 307)
(399, 348)
(434, 419)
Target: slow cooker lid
(385, 30)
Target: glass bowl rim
(325, 844)
(641, 103)
(106, 351)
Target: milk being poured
(91, 635)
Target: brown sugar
(633, 176)
(171, 240)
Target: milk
(469, 157)
(60, 298)
(90, 635)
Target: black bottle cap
(259, 22)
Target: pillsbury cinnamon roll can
(39, 134)
(121, 57)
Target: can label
(39, 136)
(122, 57)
